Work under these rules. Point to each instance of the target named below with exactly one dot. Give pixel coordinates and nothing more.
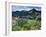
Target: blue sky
(27, 8)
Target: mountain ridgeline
(32, 12)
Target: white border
(9, 16)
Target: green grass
(26, 25)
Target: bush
(26, 25)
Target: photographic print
(26, 18)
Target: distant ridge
(24, 12)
